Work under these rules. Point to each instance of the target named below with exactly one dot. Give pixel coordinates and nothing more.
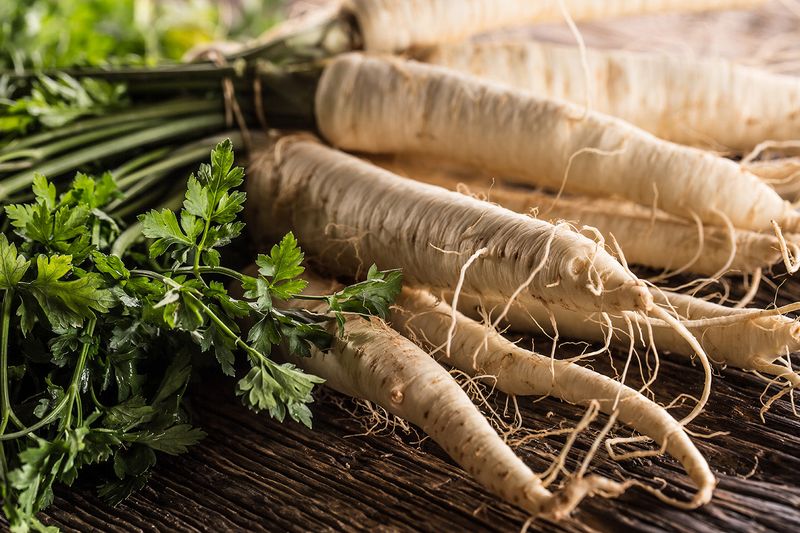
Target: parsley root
(671, 243)
(321, 194)
(480, 351)
(752, 344)
(396, 25)
(697, 102)
(433, 111)
(372, 362)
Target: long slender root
(479, 350)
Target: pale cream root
(348, 214)
(375, 363)
(379, 105)
(650, 238)
(708, 103)
(749, 345)
(480, 351)
(397, 25)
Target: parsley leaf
(173, 440)
(68, 303)
(282, 266)
(371, 296)
(164, 228)
(12, 264)
(278, 389)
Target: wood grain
(253, 474)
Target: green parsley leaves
(99, 349)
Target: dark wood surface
(253, 474)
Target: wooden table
(253, 474)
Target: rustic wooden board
(254, 474)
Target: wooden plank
(254, 474)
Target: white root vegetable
(654, 239)
(480, 351)
(397, 25)
(709, 103)
(379, 105)
(348, 214)
(749, 345)
(375, 363)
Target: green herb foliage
(62, 33)
(97, 351)
(52, 102)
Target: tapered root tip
(631, 295)
(702, 497)
(564, 501)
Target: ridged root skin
(480, 351)
(673, 97)
(748, 345)
(648, 237)
(375, 363)
(348, 214)
(388, 105)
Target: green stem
(164, 110)
(134, 231)
(74, 387)
(59, 165)
(254, 354)
(145, 178)
(15, 166)
(40, 424)
(166, 280)
(36, 155)
(138, 162)
(19, 154)
(196, 267)
(211, 270)
(96, 233)
(179, 158)
(136, 206)
(96, 401)
(5, 400)
(108, 132)
(224, 271)
(126, 239)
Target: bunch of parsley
(97, 350)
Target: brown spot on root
(397, 396)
